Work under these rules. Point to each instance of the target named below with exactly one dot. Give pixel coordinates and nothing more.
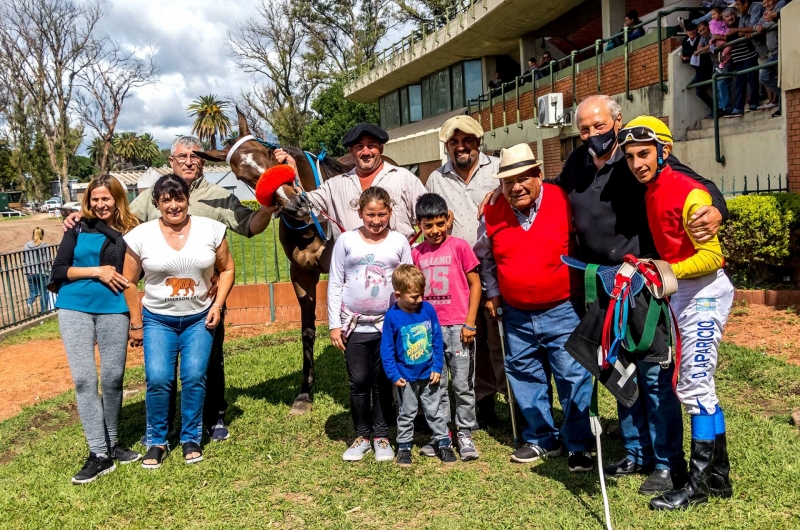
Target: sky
(190, 40)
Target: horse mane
(329, 167)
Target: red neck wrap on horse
(272, 179)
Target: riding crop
(501, 327)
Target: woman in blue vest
(87, 274)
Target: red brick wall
(643, 69)
(792, 98)
(426, 168)
(551, 157)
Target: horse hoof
(300, 407)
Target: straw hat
(515, 160)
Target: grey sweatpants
(429, 397)
(99, 413)
(460, 362)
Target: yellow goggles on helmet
(641, 133)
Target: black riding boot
(719, 482)
(696, 491)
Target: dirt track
(15, 233)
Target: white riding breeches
(702, 306)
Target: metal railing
(259, 259)
(717, 75)
(23, 285)
(598, 51)
(780, 183)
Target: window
(473, 80)
(457, 81)
(440, 92)
(426, 97)
(404, 114)
(390, 110)
(568, 145)
(415, 102)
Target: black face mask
(601, 144)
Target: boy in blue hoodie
(412, 352)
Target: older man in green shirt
(215, 202)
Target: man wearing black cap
(339, 196)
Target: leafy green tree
(148, 149)
(162, 159)
(9, 178)
(81, 167)
(210, 119)
(334, 116)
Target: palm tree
(126, 146)
(209, 118)
(148, 149)
(95, 150)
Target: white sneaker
(769, 106)
(466, 447)
(357, 450)
(383, 450)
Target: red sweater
(530, 272)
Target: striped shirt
(744, 50)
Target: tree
(9, 178)
(44, 46)
(275, 49)
(162, 159)
(430, 14)
(126, 146)
(81, 167)
(335, 115)
(148, 149)
(107, 83)
(210, 119)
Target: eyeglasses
(182, 159)
(640, 134)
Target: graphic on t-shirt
(417, 342)
(374, 274)
(437, 284)
(181, 272)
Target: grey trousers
(429, 396)
(99, 412)
(459, 360)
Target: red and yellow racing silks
(671, 200)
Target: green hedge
(756, 239)
(253, 205)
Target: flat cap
(352, 136)
(463, 123)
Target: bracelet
(137, 328)
(469, 327)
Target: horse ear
(212, 155)
(244, 129)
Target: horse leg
(305, 287)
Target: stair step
(732, 126)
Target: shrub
(791, 202)
(253, 205)
(756, 238)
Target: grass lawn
(286, 472)
(47, 330)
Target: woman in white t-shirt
(178, 254)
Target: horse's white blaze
(282, 194)
(247, 159)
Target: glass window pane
(457, 78)
(473, 81)
(426, 97)
(415, 102)
(404, 106)
(392, 110)
(440, 92)
(382, 106)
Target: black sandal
(191, 447)
(154, 453)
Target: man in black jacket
(610, 220)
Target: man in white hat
(522, 238)
(463, 181)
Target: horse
(308, 251)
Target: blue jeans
(535, 352)
(164, 338)
(37, 286)
(743, 82)
(724, 91)
(652, 429)
(769, 78)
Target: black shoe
(403, 458)
(719, 482)
(94, 467)
(123, 455)
(485, 414)
(580, 461)
(446, 454)
(777, 114)
(659, 481)
(626, 467)
(696, 491)
(532, 452)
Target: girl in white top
(359, 294)
(178, 254)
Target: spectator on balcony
(545, 64)
(719, 36)
(769, 75)
(707, 4)
(743, 57)
(631, 20)
(533, 72)
(691, 53)
(497, 82)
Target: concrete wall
(414, 149)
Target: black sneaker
(580, 461)
(123, 455)
(93, 468)
(404, 457)
(532, 452)
(777, 114)
(446, 454)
